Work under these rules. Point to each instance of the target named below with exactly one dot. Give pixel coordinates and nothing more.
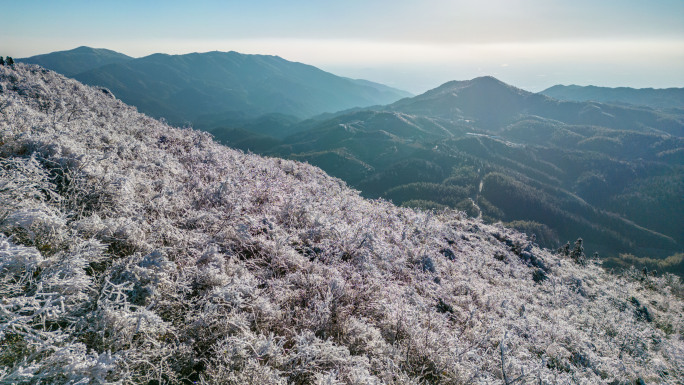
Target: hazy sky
(414, 45)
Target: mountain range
(221, 87)
(609, 173)
(135, 252)
(491, 104)
(654, 98)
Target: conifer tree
(10, 61)
(2, 61)
(577, 253)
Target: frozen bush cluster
(134, 252)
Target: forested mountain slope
(133, 252)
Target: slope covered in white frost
(134, 252)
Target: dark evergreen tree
(577, 253)
(2, 61)
(10, 61)
(564, 250)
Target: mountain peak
(485, 99)
(486, 84)
(486, 79)
(77, 60)
(492, 84)
(85, 48)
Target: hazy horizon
(415, 46)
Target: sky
(414, 45)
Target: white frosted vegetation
(131, 251)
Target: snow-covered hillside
(133, 252)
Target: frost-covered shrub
(134, 252)
(18, 262)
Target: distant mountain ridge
(77, 60)
(654, 98)
(493, 104)
(226, 86)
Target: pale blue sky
(414, 45)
